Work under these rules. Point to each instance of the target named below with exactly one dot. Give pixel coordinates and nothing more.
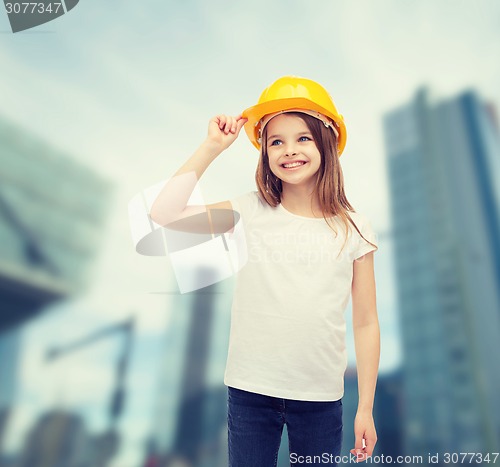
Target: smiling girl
(310, 251)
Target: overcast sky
(127, 88)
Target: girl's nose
(290, 149)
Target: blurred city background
(102, 361)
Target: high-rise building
(444, 172)
(9, 359)
(52, 212)
(58, 438)
(190, 413)
(388, 415)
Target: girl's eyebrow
(302, 133)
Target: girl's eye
(275, 141)
(304, 137)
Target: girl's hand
(366, 436)
(223, 130)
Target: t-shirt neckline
(286, 211)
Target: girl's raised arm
(171, 203)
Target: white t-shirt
(287, 336)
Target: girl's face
(290, 140)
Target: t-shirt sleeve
(362, 247)
(245, 205)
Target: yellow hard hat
(293, 93)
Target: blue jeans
(255, 426)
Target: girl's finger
(233, 125)
(221, 120)
(370, 446)
(229, 125)
(240, 123)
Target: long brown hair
(329, 178)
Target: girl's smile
(293, 165)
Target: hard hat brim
(256, 112)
